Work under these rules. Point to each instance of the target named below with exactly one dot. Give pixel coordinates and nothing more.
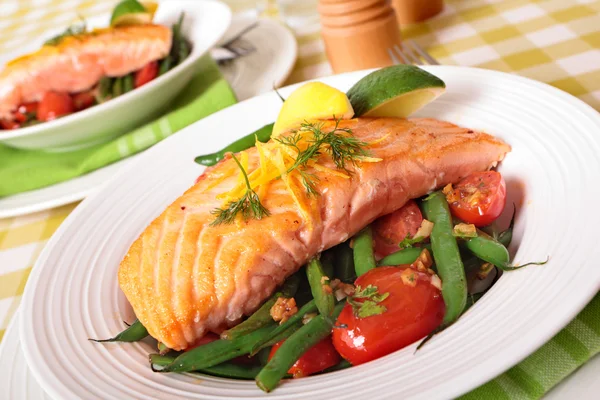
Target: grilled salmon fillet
(78, 62)
(185, 278)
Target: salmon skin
(184, 277)
(78, 62)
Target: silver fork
(409, 52)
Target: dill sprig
(249, 205)
(73, 30)
(338, 143)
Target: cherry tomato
(319, 357)
(54, 105)
(146, 74)
(6, 124)
(391, 229)
(83, 100)
(414, 308)
(479, 198)
(21, 114)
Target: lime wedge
(396, 91)
(131, 12)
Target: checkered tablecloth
(554, 41)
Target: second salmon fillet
(184, 277)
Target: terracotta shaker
(358, 33)
(410, 11)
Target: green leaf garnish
(249, 205)
(369, 305)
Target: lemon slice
(132, 12)
(396, 91)
(312, 101)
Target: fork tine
(414, 58)
(395, 60)
(428, 58)
(401, 55)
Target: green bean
(364, 259)
(309, 307)
(405, 256)
(162, 348)
(127, 83)
(104, 89)
(217, 352)
(183, 50)
(263, 356)
(323, 298)
(263, 135)
(262, 316)
(133, 333)
(344, 263)
(165, 65)
(117, 87)
(338, 367)
(472, 299)
(505, 237)
(489, 250)
(446, 256)
(278, 338)
(225, 370)
(327, 258)
(292, 349)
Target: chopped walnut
(409, 277)
(451, 195)
(464, 230)
(424, 262)
(283, 309)
(484, 270)
(424, 230)
(341, 289)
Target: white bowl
(552, 174)
(205, 23)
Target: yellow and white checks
(554, 41)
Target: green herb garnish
(410, 242)
(249, 205)
(339, 144)
(73, 30)
(371, 302)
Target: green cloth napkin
(23, 170)
(563, 354)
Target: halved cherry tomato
(414, 308)
(319, 357)
(146, 74)
(391, 229)
(83, 100)
(479, 198)
(54, 105)
(6, 124)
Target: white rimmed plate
(205, 22)
(269, 65)
(553, 169)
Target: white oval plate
(206, 21)
(553, 169)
